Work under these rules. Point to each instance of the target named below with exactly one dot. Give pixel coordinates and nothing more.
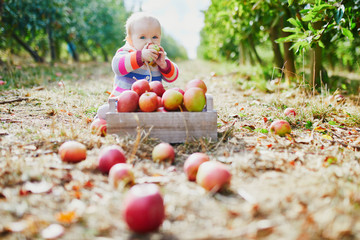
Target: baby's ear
(128, 39)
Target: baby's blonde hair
(136, 17)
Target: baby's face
(143, 32)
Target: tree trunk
(104, 53)
(289, 58)
(274, 34)
(242, 55)
(72, 50)
(253, 49)
(83, 45)
(1, 7)
(33, 53)
(51, 40)
(316, 62)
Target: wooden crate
(171, 127)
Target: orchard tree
(321, 25)
(233, 29)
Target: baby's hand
(149, 55)
(160, 61)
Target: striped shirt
(127, 64)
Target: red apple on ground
(157, 87)
(98, 127)
(290, 112)
(339, 98)
(179, 90)
(121, 174)
(194, 99)
(213, 176)
(280, 127)
(193, 163)
(172, 99)
(141, 86)
(72, 152)
(143, 208)
(163, 152)
(128, 101)
(196, 83)
(109, 156)
(148, 102)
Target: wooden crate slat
(172, 127)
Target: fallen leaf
(327, 137)
(158, 179)
(38, 187)
(53, 231)
(320, 129)
(66, 217)
(16, 226)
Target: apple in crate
(121, 174)
(148, 102)
(196, 83)
(163, 152)
(290, 112)
(72, 152)
(143, 208)
(280, 127)
(193, 163)
(160, 103)
(98, 126)
(172, 99)
(213, 176)
(194, 99)
(179, 90)
(140, 86)
(109, 156)
(128, 101)
(157, 87)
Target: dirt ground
(282, 187)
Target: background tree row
(315, 32)
(80, 29)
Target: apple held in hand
(213, 176)
(193, 163)
(121, 174)
(157, 87)
(194, 99)
(144, 209)
(280, 127)
(72, 152)
(172, 99)
(196, 83)
(109, 156)
(128, 101)
(140, 86)
(98, 127)
(163, 152)
(290, 112)
(148, 102)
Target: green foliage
(337, 19)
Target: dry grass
(282, 188)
